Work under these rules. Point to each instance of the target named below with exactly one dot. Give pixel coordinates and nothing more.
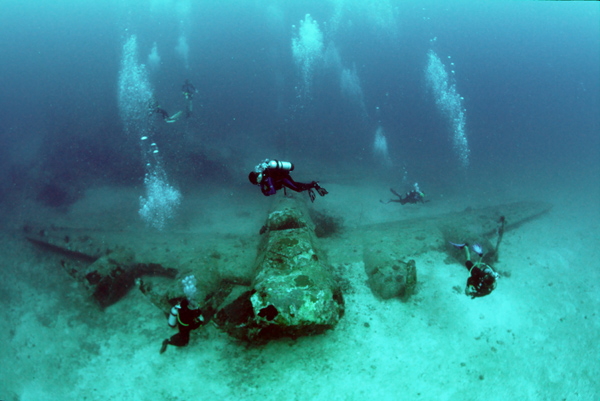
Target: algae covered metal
(276, 284)
(294, 292)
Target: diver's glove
(322, 191)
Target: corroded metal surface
(294, 292)
(287, 288)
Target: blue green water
(477, 102)
(527, 73)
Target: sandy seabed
(534, 338)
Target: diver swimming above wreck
(413, 196)
(273, 175)
(482, 278)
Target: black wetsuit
(162, 112)
(480, 281)
(188, 90)
(274, 179)
(187, 320)
(410, 197)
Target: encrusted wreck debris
(389, 248)
(389, 276)
(486, 226)
(294, 292)
(108, 272)
(287, 289)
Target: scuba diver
(154, 107)
(186, 315)
(482, 278)
(272, 175)
(413, 196)
(188, 91)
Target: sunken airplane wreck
(275, 284)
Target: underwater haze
(476, 102)
(312, 80)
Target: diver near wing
(272, 175)
(413, 196)
(482, 278)
(186, 315)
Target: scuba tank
(173, 315)
(276, 164)
(272, 164)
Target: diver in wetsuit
(188, 90)
(482, 278)
(272, 175)
(413, 196)
(187, 316)
(154, 107)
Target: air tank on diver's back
(276, 164)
